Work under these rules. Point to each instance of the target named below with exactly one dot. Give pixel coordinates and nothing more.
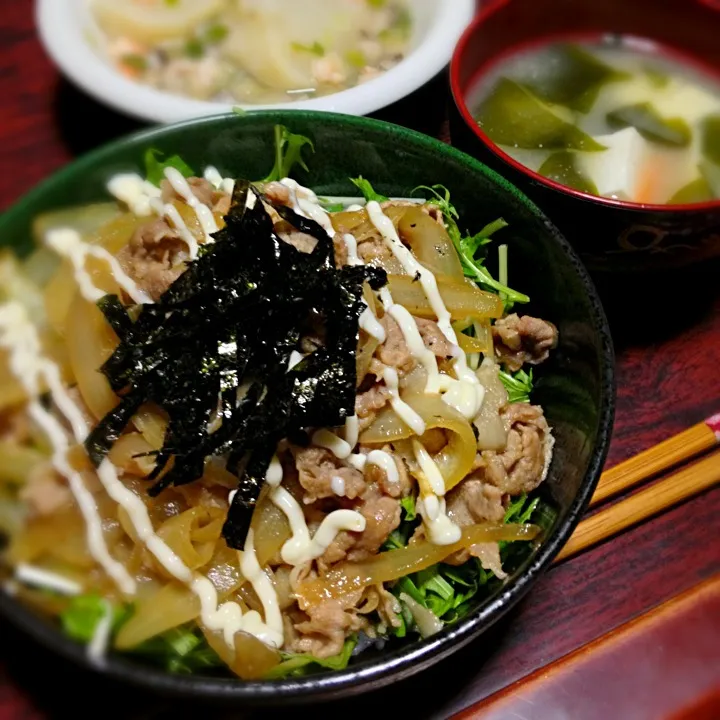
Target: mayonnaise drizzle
(305, 202)
(143, 198)
(352, 430)
(274, 473)
(39, 577)
(98, 645)
(337, 446)
(431, 506)
(211, 174)
(300, 548)
(371, 325)
(358, 461)
(229, 618)
(337, 485)
(68, 243)
(272, 630)
(466, 397)
(19, 336)
(136, 193)
(386, 463)
(140, 518)
(403, 410)
(386, 298)
(429, 469)
(416, 345)
(204, 215)
(440, 528)
(429, 284)
(351, 245)
(171, 214)
(465, 394)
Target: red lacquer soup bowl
(610, 235)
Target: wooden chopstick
(679, 486)
(661, 457)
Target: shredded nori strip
(221, 337)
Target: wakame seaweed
(217, 344)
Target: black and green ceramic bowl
(576, 387)
(611, 236)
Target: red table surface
(667, 336)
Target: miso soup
(615, 117)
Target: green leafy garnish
(367, 190)
(443, 589)
(155, 164)
(512, 115)
(408, 505)
(288, 153)
(710, 138)
(172, 3)
(376, 3)
(657, 78)
(399, 537)
(519, 385)
(468, 247)
(704, 188)
(85, 612)
(562, 167)
(333, 207)
(216, 33)
(400, 27)
(672, 132)
(696, 191)
(315, 49)
(182, 650)
(294, 665)
(194, 48)
(572, 77)
(356, 58)
(446, 590)
(520, 511)
(711, 172)
(136, 62)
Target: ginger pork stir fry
(245, 428)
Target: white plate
(66, 27)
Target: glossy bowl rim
(417, 655)
(64, 43)
(458, 64)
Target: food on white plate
(253, 52)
